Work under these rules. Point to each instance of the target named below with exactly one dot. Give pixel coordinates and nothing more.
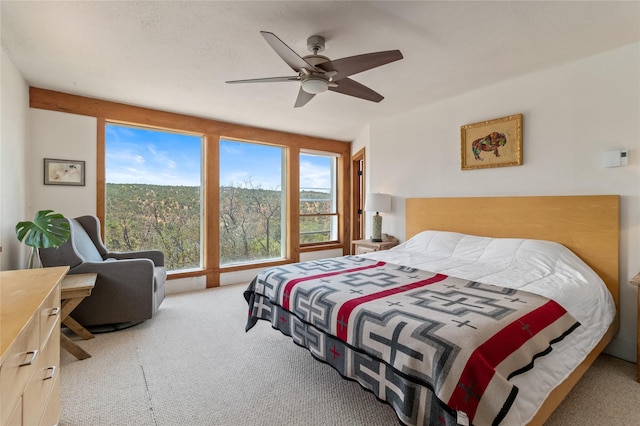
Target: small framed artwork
(63, 172)
(493, 143)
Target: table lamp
(377, 203)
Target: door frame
(358, 175)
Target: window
(318, 198)
(153, 193)
(252, 202)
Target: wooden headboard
(587, 225)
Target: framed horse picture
(493, 143)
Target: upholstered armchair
(130, 285)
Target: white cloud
(314, 176)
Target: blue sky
(138, 155)
(135, 155)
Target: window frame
(335, 192)
(284, 189)
(201, 200)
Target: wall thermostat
(615, 158)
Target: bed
(488, 313)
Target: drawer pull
(34, 355)
(52, 372)
(54, 311)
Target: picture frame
(492, 143)
(64, 172)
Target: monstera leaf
(47, 229)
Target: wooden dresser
(30, 346)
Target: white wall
(62, 136)
(572, 114)
(14, 108)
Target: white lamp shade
(378, 202)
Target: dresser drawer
(363, 250)
(15, 418)
(17, 368)
(51, 414)
(42, 381)
(49, 314)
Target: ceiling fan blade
(346, 86)
(303, 98)
(355, 64)
(266, 80)
(289, 56)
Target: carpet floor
(194, 365)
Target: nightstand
(636, 281)
(367, 246)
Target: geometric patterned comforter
(436, 348)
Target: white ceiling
(177, 55)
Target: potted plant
(47, 229)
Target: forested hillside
(167, 218)
(141, 217)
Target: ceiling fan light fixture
(314, 85)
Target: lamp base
(376, 231)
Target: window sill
(254, 265)
(320, 247)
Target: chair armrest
(156, 256)
(125, 270)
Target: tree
(268, 205)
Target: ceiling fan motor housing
(315, 44)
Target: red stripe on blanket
(347, 308)
(286, 294)
(480, 367)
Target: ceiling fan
(317, 73)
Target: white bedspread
(542, 267)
